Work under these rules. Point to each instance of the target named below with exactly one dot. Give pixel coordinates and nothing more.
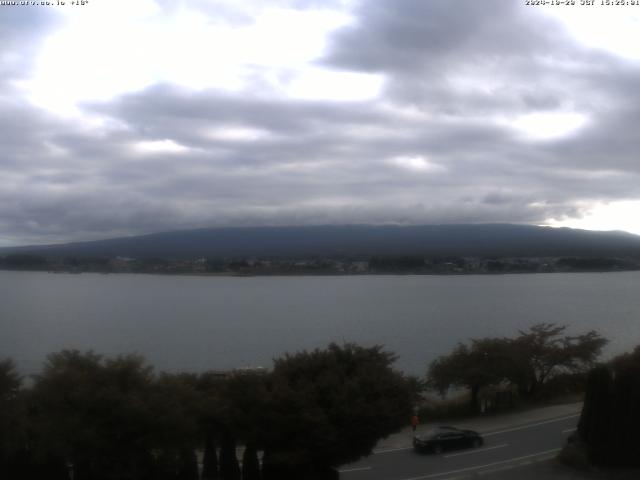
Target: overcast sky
(122, 117)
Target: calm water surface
(198, 323)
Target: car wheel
(437, 449)
(477, 442)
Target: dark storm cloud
(412, 35)
(319, 154)
(520, 62)
(479, 58)
(437, 147)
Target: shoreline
(316, 274)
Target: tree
(242, 405)
(188, 464)
(595, 422)
(485, 362)
(543, 352)
(10, 381)
(243, 399)
(610, 419)
(210, 458)
(11, 419)
(329, 407)
(250, 463)
(529, 361)
(229, 467)
(94, 414)
(175, 403)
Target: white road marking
(468, 452)
(515, 465)
(392, 450)
(530, 425)
(359, 469)
(478, 467)
(569, 430)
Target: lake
(198, 323)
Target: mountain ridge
(495, 239)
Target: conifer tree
(210, 458)
(250, 463)
(229, 467)
(188, 464)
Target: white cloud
(323, 84)
(105, 51)
(622, 215)
(237, 134)
(548, 125)
(416, 164)
(160, 146)
(614, 28)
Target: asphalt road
(502, 450)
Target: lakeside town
(416, 265)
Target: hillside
(504, 240)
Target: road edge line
(478, 467)
(522, 427)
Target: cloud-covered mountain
(355, 240)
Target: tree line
(530, 363)
(90, 417)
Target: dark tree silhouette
(229, 467)
(100, 418)
(329, 407)
(484, 362)
(529, 361)
(610, 418)
(12, 422)
(250, 463)
(188, 469)
(210, 458)
(94, 413)
(543, 351)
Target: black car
(446, 438)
